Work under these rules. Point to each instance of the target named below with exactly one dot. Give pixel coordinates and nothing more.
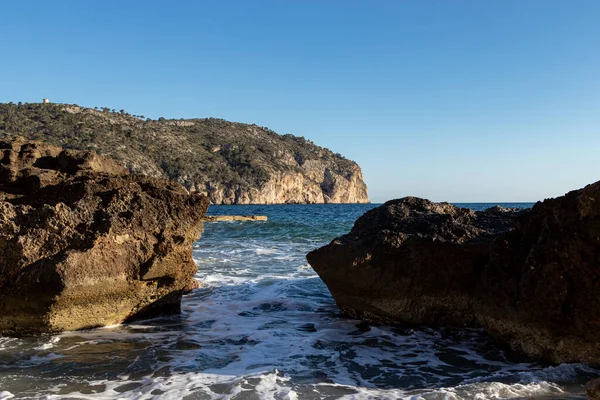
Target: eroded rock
(410, 260)
(540, 292)
(84, 244)
(531, 278)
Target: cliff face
(316, 183)
(231, 163)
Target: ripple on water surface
(265, 327)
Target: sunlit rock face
(84, 244)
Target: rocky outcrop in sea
(530, 278)
(84, 244)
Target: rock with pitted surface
(530, 278)
(84, 244)
(540, 291)
(410, 260)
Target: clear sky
(457, 100)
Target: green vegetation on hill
(208, 151)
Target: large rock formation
(84, 244)
(231, 163)
(410, 260)
(540, 291)
(531, 278)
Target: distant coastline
(230, 162)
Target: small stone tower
(46, 101)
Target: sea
(264, 326)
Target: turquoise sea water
(264, 326)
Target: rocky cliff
(84, 244)
(530, 278)
(231, 163)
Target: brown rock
(592, 389)
(530, 279)
(410, 260)
(83, 244)
(540, 292)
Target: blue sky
(495, 100)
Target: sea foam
(264, 326)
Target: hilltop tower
(46, 101)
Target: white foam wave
(7, 342)
(262, 251)
(264, 326)
(276, 386)
(496, 390)
(49, 344)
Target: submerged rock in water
(84, 244)
(531, 278)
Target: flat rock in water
(84, 244)
(221, 218)
(530, 278)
